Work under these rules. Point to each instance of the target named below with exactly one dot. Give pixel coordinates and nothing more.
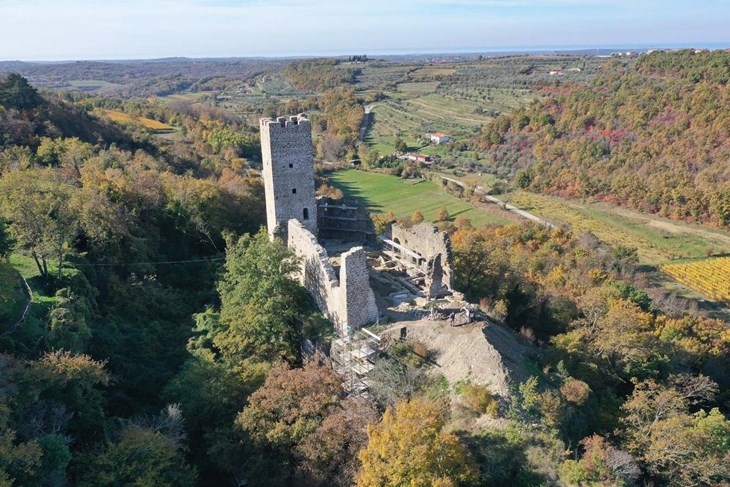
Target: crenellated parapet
(286, 150)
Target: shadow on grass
(455, 214)
(356, 195)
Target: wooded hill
(163, 344)
(655, 137)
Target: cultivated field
(658, 240)
(710, 278)
(126, 119)
(453, 97)
(382, 193)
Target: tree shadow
(501, 461)
(356, 196)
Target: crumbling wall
(317, 274)
(356, 299)
(435, 248)
(347, 300)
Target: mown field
(658, 240)
(382, 193)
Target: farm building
(439, 138)
(425, 159)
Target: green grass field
(42, 302)
(13, 298)
(382, 193)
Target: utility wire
(147, 263)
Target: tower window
(305, 214)
(294, 191)
(291, 166)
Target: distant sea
(578, 49)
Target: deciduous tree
(672, 443)
(37, 204)
(410, 447)
(301, 417)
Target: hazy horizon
(455, 52)
(134, 29)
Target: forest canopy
(666, 120)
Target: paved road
(522, 213)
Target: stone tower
(286, 148)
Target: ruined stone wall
(356, 299)
(286, 149)
(435, 247)
(317, 274)
(347, 300)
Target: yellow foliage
(710, 277)
(417, 217)
(126, 119)
(409, 448)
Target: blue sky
(124, 29)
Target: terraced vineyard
(710, 277)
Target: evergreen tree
(16, 92)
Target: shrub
(478, 398)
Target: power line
(150, 263)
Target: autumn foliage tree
(410, 447)
(665, 118)
(672, 443)
(301, 420)
(149, 452)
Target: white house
(439, 138)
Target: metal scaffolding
(353, 357)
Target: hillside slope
(655, 137)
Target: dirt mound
(481, 353)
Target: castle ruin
(423, 247)
(292, 212)
(418, 258)
(286, 148)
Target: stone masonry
(286, 149)
(292, 214)
(431, 252)
(347, 300)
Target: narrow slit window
(305, 214)
(294, 191)
(291, 166)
